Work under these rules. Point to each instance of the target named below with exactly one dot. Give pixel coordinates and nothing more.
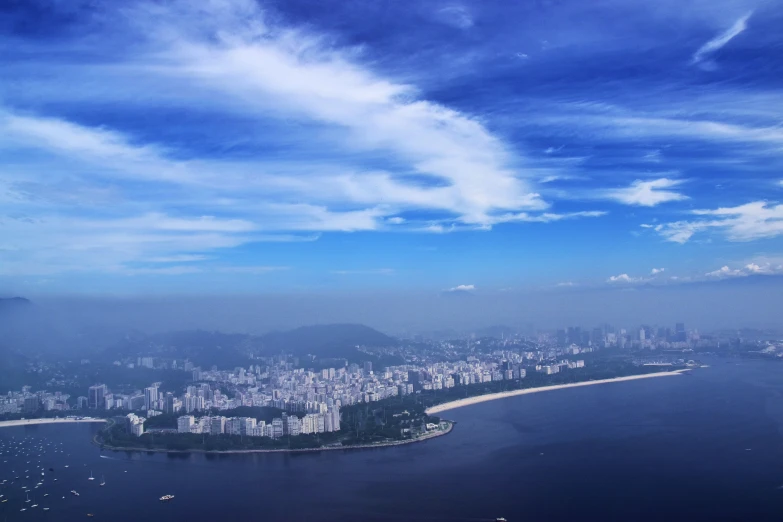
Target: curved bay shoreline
(447, 406)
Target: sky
(472, 147)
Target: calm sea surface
(702, 447)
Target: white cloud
(749, 269)
(566, 284)
(722, 39)
(462, 288)
(396, 220)
(545, 217)
(656, 271)
(53, 244)
(623, 278)
(456, 16)
(756, 220)
(270, 70)
(646, 193)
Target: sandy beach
(29, 422)
(502, 395)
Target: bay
(703, 447)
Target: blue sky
(242, 146)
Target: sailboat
(91, 477)
(28, 497)
(103, 480)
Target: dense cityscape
(309, 401)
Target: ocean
(708, 446)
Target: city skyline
(242, 146)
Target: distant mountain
(13, 303)
(334, 341)
(202, 347)
(326, 341)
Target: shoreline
(28, 422)
(429, 436)
(469, 401)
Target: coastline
(27, 422)
(469, 401)
(428, 436)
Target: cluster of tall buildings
(644, 336)
(286, 425)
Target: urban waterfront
(700, 447)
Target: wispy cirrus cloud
(722, 39)
(646, 193)
(751, 221)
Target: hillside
(334, 341)
(327, 341)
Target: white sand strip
(29, 422)
(502, 395)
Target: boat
(103, 480)
(501, 519)
(46, 509)
(73, 492)
(166, 498)
(91, 477)
(66, 465)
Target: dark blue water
(702, 447)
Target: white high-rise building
(248, 424)
(277, 428)
(150, 398)
(294, 426)
(185, 424)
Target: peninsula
(469, 401)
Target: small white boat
(91, 477)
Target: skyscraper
(151, 398)
(679, 332)
(96, 396)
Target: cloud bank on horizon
(246, 145)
